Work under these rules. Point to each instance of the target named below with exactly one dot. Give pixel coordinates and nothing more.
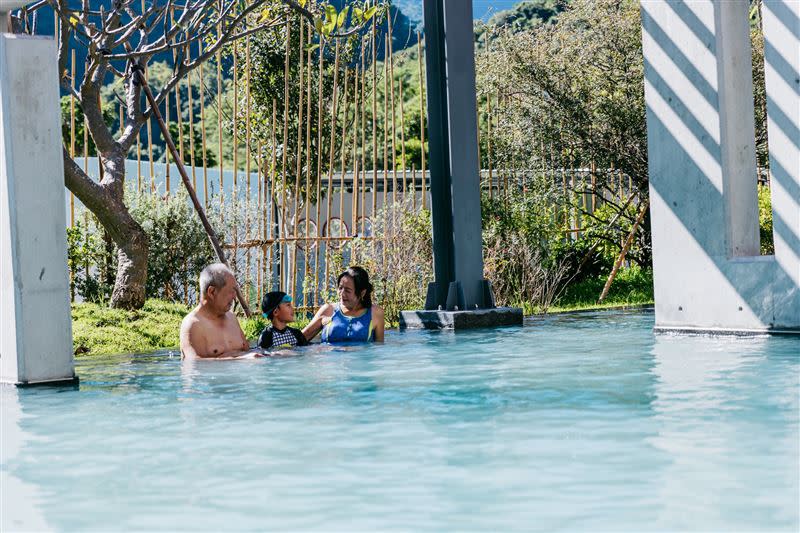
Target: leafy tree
(119, 41)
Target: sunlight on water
(584, 421)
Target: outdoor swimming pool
(583, 421)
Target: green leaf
(330, 13)
(73, 19)
(318, 24)
(266, 13)
(342, 17)
(369, 13)
(302, 3)
(310, 47)
(358, 15)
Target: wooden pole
(625, 247)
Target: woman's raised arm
(315, 326)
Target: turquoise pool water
(573, 422)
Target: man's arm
(189, 340)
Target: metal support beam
(454, 166)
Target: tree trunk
(105, 201)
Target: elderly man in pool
(211, 330)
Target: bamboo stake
(320, 124)
(625, 247)
(394, 128)
(385, 128)
(489, 143)
(178, 110)
(150, 155)
(282, 221)
(363, 137)
(308, 161)
(345, 113)
(299, 157)
(414, 187)
(247, 167)
(272, 171)
(259, 218)
(422, 112)
(331, 154)
(191, 124)
(374, 125)
(72, 137)
(403, 138)
(167, 155)
(203, 129)
(221, 156)
(354, 184)
(212, 236)
(235, 190)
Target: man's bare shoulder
(191, 319)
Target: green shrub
(179, 249)
(765, 220)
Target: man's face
(284, 312)
(221, 298)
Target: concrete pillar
(708, 274)
(35, 324)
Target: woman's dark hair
(361, 282)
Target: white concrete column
(35, 324)
(701, 149)
(782, 73)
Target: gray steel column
(454, 166)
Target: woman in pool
(353, 318)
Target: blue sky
(483, 9)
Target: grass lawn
(98, 330)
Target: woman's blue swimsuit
(343, 328)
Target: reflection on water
(721, 404)
(19, 500)
(584, 421)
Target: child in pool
(277, 307)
